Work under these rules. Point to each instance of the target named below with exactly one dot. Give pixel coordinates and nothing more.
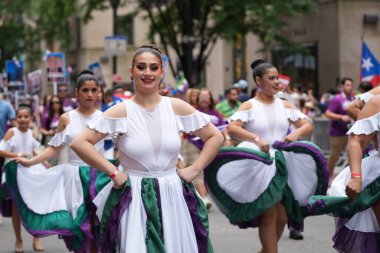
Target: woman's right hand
(119, 180)
(354, 187)
(263, 145)
(24, 161)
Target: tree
(264, 18)
(185, 27)
(25, 23)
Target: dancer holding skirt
(267, 179)
(149, 206)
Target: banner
(15, 74)
(56, 68)
(35, 82)
(97, 69)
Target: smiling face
(88, 93)
(23, 118)
(269, 82)
(147, 73)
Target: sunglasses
(62, 90)
(55, 102)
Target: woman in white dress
(149, 206)
(19, 142)
(52, 201)
(267, 179)
(353, 197)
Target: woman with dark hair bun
(267, 179)
(56, 204)
(150, 206)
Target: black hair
(365, 86)
(259, 68)
(147, 48)
(118, 86)
(228, 90)
(108, 92)
(86, 75)
(344, 79)
(25, 107)
(51, 111)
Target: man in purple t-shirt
(337, 113)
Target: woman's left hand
(188, 174)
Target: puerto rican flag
(284, 80)
(370, 67)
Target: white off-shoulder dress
(156, 211)
(51, 201)
(244, 182)
(357, 230)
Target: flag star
(367, 64)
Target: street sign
(115, 45)
(56, 68)
(97, 69)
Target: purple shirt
(337, 105)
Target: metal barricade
(320, 134)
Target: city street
(225, 237)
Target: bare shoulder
(181, 108)
(371, 108)
(245, 106)
(375, 91)
(288, 104)
(9, 134)
(63, 121)
(117, 111)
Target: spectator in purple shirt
(68, 103)
(337, 113)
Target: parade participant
(55, 205)
(19, 142)
(357, 218)
(337, 113)
(192, 96)
(68, 103)
(49, 122)
(253, 184)
(354, 108)
(230, 105)
(148, 207)
(192, 145)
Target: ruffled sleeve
(365, 126)
(6, 145)
(110, 126)
(365, 97)
(294, 115)
(59, 139)
(192, 122)
(244, 116)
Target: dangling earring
(133, 83)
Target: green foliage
(25, 23)
(264, 18)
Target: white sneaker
(207, 202)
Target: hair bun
(256, 63)
(151, 46)
(85, 72)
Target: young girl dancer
(19, 142)
(60, 206)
